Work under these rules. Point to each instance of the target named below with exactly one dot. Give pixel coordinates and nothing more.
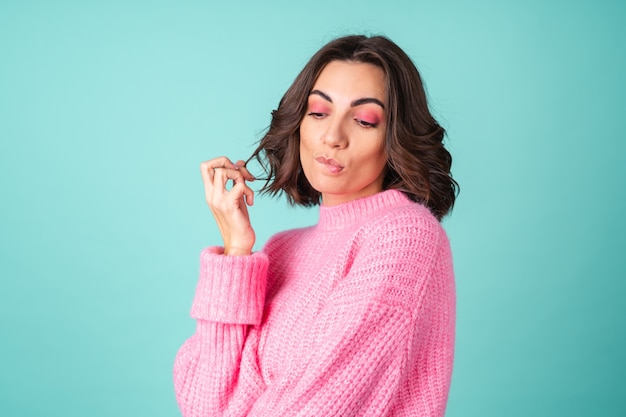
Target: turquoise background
(107, 109)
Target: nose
(336, 135)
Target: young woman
(353, 316)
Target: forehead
(351, 80)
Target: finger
(243, 189)
(247, 175)
(212, 164)
(221, 177)
(242, 167)
(207, 168)
(239, 189)
(207, 176)
(222, 162)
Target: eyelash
(361, 123)
(365, 124)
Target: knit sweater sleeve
(211, 375)
(380, 344)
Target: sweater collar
(360, 209)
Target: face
(342, 135)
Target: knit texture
(351, 317)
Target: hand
(229, 207)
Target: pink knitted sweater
(351, 317)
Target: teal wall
(107, 109)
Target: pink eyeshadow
(318, 108)
(369, 117)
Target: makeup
(368, 116)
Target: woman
(355, 315)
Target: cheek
(379, 161)
(304, 129)
(305, 148)
(306, 135)
(304, 138)
(377, 158)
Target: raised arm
(229, 207)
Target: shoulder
(399, 253)
(411, 223)
(404, 232)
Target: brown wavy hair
(417, 162)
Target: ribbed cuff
(231, 289)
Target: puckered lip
(328, 161)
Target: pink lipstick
(330, 164)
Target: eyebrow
(355, 103)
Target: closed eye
(365, 124)
(316, 115)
